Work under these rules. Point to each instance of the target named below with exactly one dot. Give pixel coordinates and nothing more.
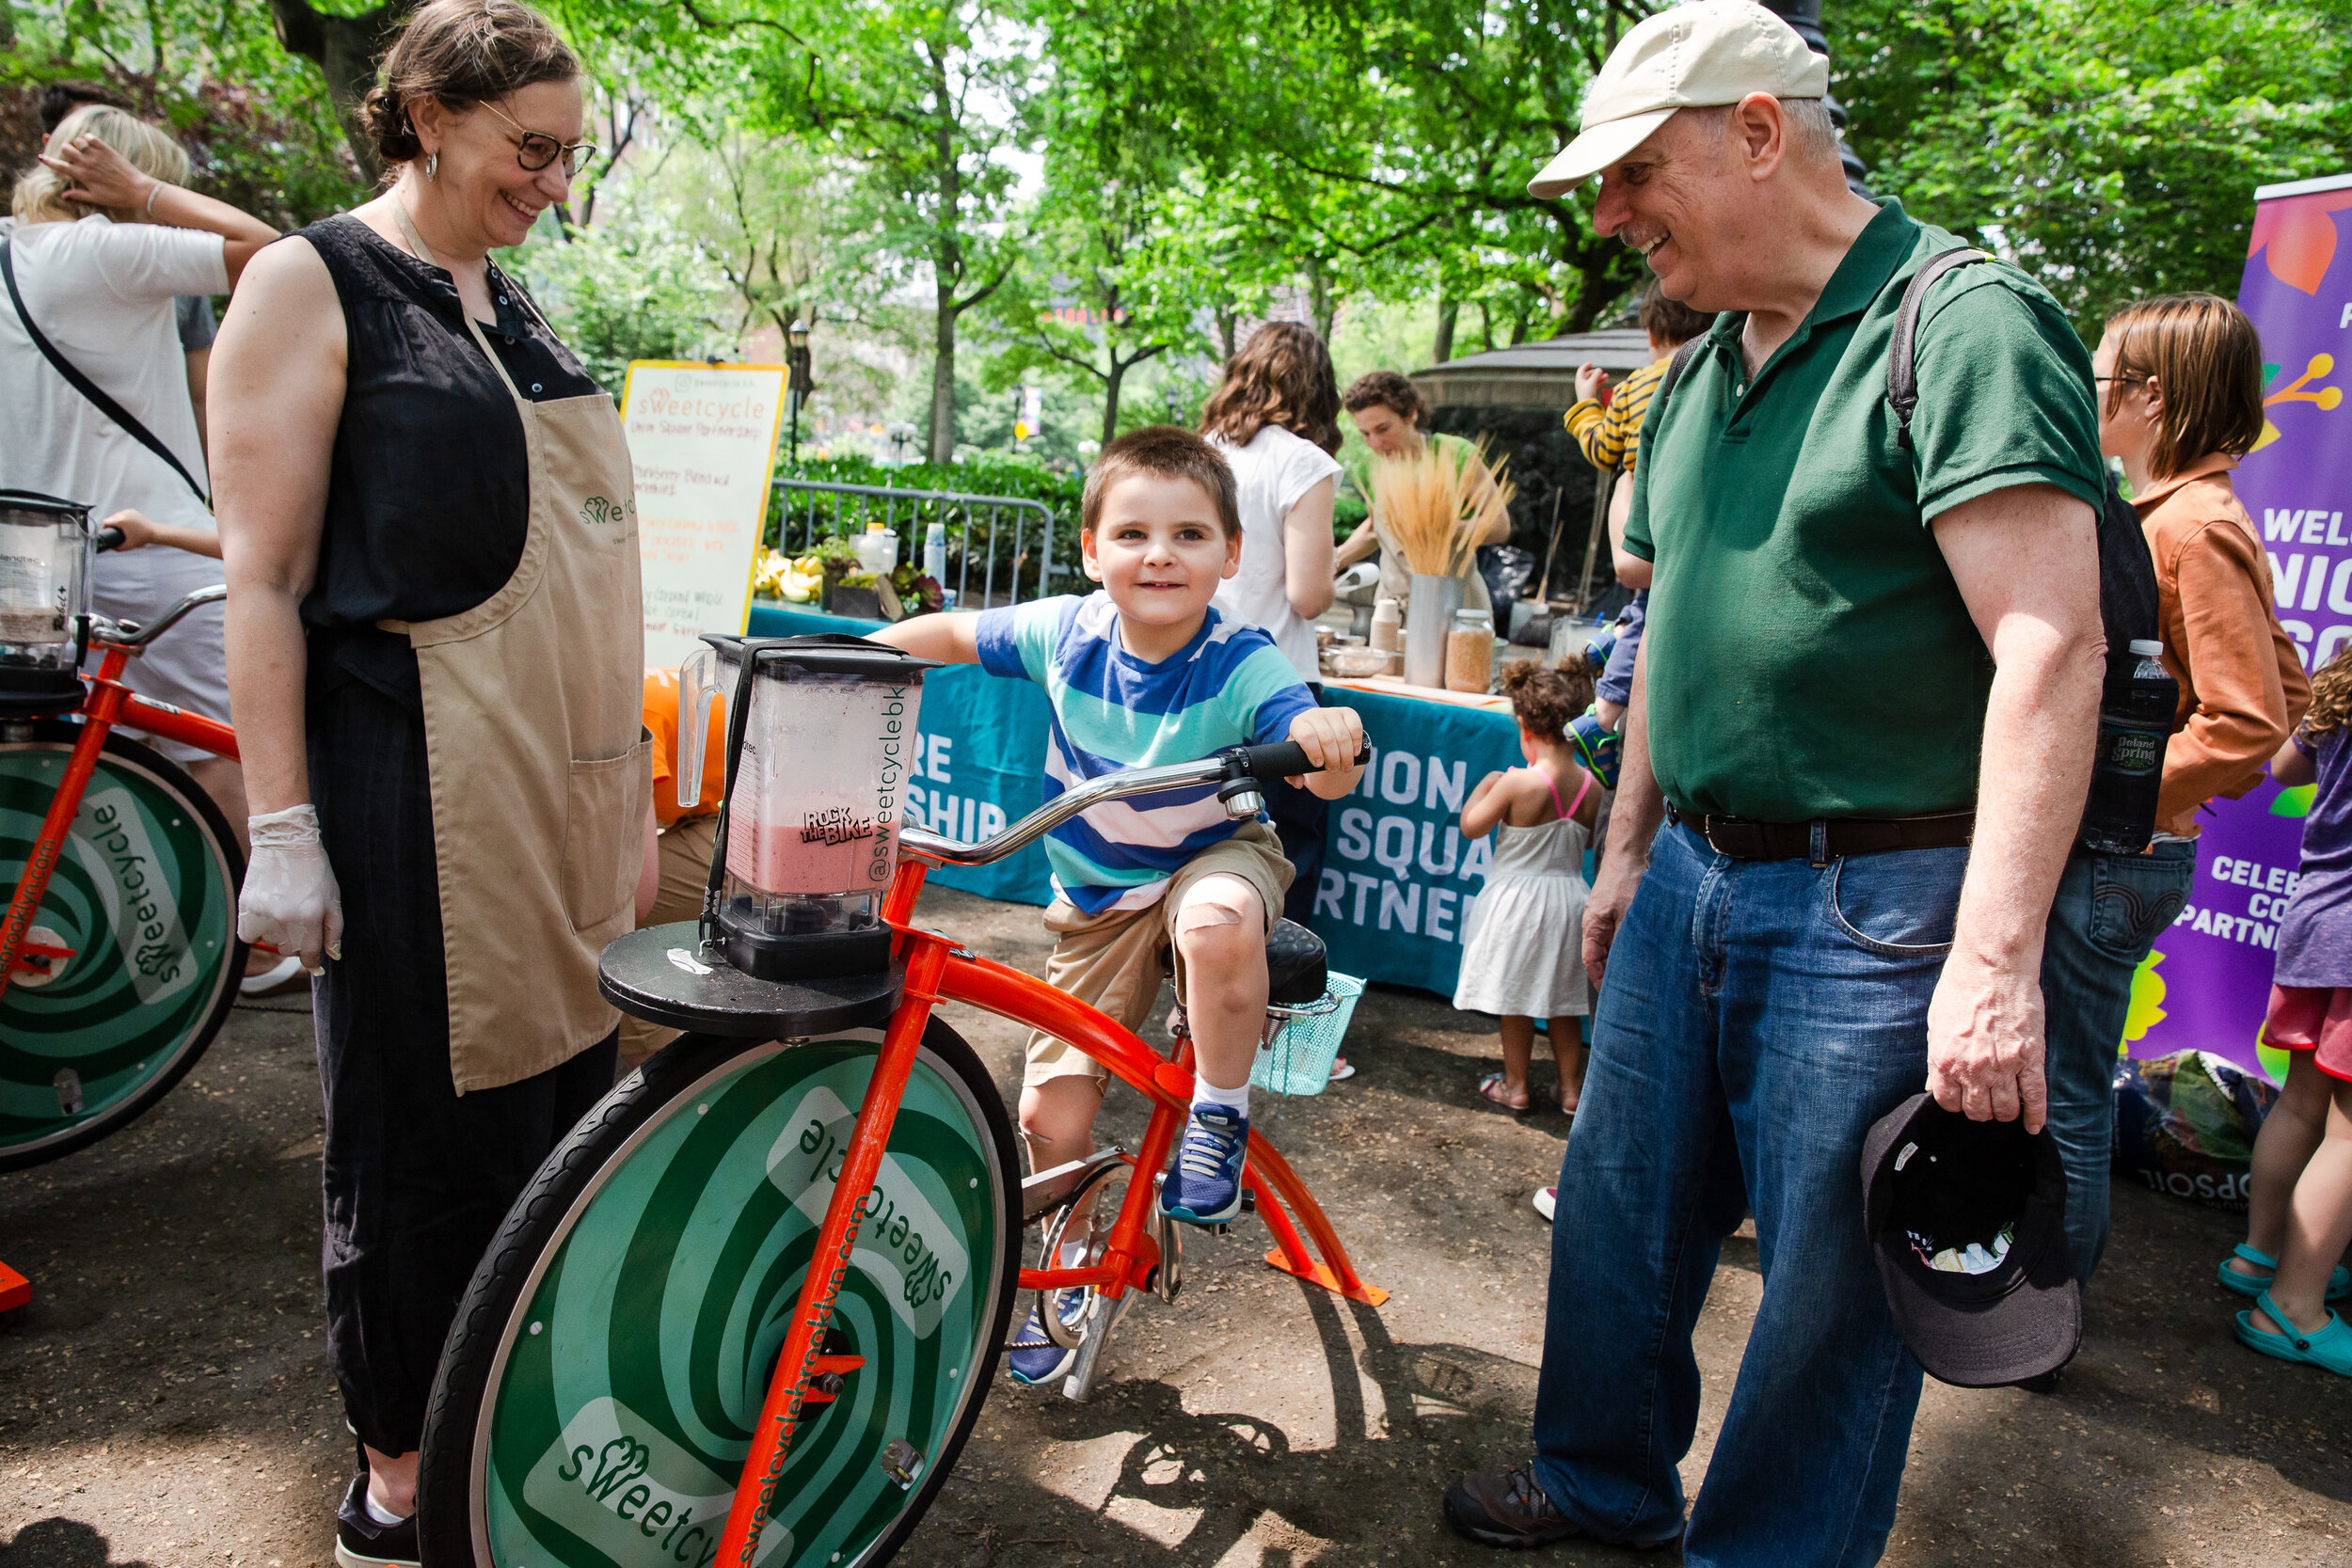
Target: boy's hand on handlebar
(136, 528)
(1331, 737)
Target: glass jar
(1469, 652)
(44, 592)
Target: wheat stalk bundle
(1437, 505)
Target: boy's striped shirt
(1230, 686)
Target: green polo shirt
(1808, 654)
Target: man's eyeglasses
(537, 149)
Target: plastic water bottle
(2135, 722)
(935, 553)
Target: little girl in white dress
(1522, 945)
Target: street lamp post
(798, 381)
(1804, 16)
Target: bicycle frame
(938, 970)
(106, 705)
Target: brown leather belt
(1822, 841)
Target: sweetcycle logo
(906, 1247)
(111, 843)
(616, 1481)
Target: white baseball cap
(1703, 51)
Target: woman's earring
(432, 165)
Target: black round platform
(663, 976)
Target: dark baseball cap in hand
(1969, 1222)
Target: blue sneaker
(1203, 1186)
(1598, 747)
(1030, 1357)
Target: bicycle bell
(820, 738)
(44, 600)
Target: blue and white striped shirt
(1230, 686)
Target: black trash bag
(1506, 569)
(2184, 1124)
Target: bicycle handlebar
(1281, 759)
(131, 637)
(106, 539)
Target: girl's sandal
(2339, 1282)
(1491, 1087)
(2328, 1348)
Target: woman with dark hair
(1389, 415)
(436, 651)
(1276, 422)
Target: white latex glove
(290, 898)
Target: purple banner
(2208, 980)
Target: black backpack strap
(84, 385)
(1675, 368)
(1903, 369)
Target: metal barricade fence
(984, 533)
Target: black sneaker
(362, 1542)
(1505, 1508)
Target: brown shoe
(1505, 1508)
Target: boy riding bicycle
(1139, 674)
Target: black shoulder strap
(1675, 368)
(1903, 370)
(84, 385)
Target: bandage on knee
(1202, 916)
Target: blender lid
(827, 653)
(33, 500)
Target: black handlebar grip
(1286, 759)
(109, 539)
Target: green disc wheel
(140, 958)
(597, 1394)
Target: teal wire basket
(1299, 1060)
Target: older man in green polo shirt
(1856, 753)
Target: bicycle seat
(1293, 965)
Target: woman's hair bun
(464, 52)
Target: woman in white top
(106, 236)
(1277, 422)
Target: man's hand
(1984, 1040)
(1331, 737)
(1604, 911)
(1590, 379)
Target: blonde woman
(106, 235)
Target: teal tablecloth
(1396, 879)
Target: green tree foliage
(2112, 149)
(259, 126)
(635, 287)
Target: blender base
(663, 976)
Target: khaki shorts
(1115, 961)
(685, 848)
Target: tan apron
(537, 752)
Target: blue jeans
(1615, 684)
(2109, 910)
(1758, 1018)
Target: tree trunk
(943, 436)
(1228, 323)
(346, 50)
(1319, 298)
(1111, 396)
(1442, 349)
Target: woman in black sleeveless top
(374, 466)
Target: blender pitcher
(45, 597)
(820, 738)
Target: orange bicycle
(119, 959)
(748, 1310)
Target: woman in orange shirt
(2180, 402)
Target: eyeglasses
(536, 151)
(2127, 380)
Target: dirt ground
(164, 1399)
